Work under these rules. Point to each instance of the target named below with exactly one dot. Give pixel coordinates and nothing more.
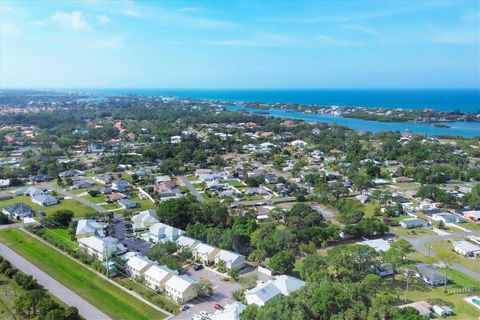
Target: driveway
(66, 295)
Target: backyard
(112, 300)
(79, 209)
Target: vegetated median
(105, 296)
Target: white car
(204, 313)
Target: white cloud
(9, 30)
(326, 40)
(104, 19)
(71, 20)
(451, 37)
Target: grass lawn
(112, 300)
(98, 199)
(470, 226)
(183, 189)
(370, 208)
(148, 293)
(61, 235)
(78, 208)
(419, 291)
(110, 206)
(145, 204)
(412, 233)
(234, 183)
(447, 247)
(198, 186)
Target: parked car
(185, 307)
(197, 267)
(218, 306)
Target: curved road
(70, 298)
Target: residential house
(144, 219)
(413, 223)
(205, 253)
(186, 242)
(472, 215)
(71, 173)
(127, 204)
(82, 184)
(41, 178)
(160, 232)
(423, 308)
(264, 292)
(379, 245)
(100, 248)
(88, 228)
(447, 217)
(5, 195)
(232, 260)
(105, 179)
(120, 185)
(18, 210)
(156, 276)
(115, 196)
(175, 139)
(44, 200)
(429, 275)
(29, 191)
(180, 288)
(137, 265)
(230, 311)
(466, 248)
(4, 183)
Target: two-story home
(138, 265)
(156, 276)
(100, 248)
(144, 219)
(180, 288)
(88, 228)
(264, 292)
(160, 232)
(232, 260)
(205, 253)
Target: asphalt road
(85, 309)
(78, 198)
(192, 189)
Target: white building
(88, 228)
(144, 219)
(186, 242)
(379, 245)
(413, 223)
(156, 276)
(466, 248)
(137, 265)
(264, 292)
(230, 311)
(205, 253)
(100, 248)
(180, 288)
(160, 232)
(232, 260)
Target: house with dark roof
(430, 275)
(18, 210)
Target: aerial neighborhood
(188, 210)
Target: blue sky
(240, 44)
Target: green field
(98, 199)
(447, 247)
(113, 301)
(78, 208)
(60, 235)
(110, 206)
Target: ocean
(466, 100)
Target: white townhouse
(88, 228)
(156, 276)
(232, 260)
(137, 265)
(180, 288)
(187, 242)
(160, 232)
(100, 248)
(144, 219)
(230, 311)
(205, 253)
(264, 292)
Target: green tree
(282, 262)
(62, 217)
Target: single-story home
(413, 223)
(82, 184)
(180, 288)
(18, 210)
(71, 173)
(144, 219)
(472, 215)
(466, 248)
(423, 308)
(44, 200)
(156, 276)
(232, 260)
(429, 274)
(120, 185)
(447, 217)
(89, 227)
(29, 191)
(4, 183)
(127, 204)
(264, 292)
(379, 245)
(5, 195)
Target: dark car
(197, 267)
(185, 307)
(218, 306)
